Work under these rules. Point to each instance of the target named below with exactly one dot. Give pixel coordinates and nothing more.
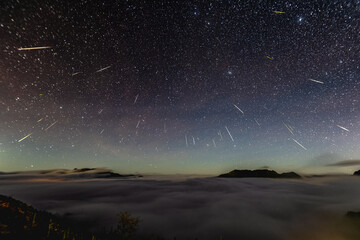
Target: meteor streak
(279, 12)
(219, 133)
(51, 125)
(288, 127)
(25, 137)
(32, 48)
(316, 81)
(299, 144)
(229, 133)
(136, 98)
(343, 128)
(238, 109)
(102, 69)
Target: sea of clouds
(201, 208)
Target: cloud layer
(345, 163)
(207, 208)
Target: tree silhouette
(127, 226)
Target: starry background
(150, 86)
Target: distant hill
(260, 173)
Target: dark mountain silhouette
(260, 173)
(99, 173)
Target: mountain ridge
(258, 173)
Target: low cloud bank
(207, 208)
(64, 175)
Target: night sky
(179, 86)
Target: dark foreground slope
(261, 173)
(21, 221)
